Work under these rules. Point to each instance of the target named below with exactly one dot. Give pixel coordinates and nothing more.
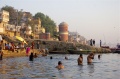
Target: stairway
(8, 39)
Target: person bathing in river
(99, 56)
(1, 54)
(31, 57)
(51, 57)
(60, 65)
(35, 55)
(66, 57)
(90, 57)
(80, 60)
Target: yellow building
(38, 29)
(37, 26)
(4, 19)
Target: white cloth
(1, 38)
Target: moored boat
(72, 51)
(116, 50)
(57, 52)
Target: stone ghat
(20, 53)
(64, 46)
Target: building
(4, 19)
(74, 37)
(37, 27)
(26, 16)
(63, 31)
(77, 38)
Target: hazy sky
(93, 19)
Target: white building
(4, 19)
(76, 37)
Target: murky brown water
(108, 67)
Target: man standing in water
(90, 58)
(80, 60)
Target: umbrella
(20, 39)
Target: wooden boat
(72, 51)
(57, 52)
(116, 50)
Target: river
(108, 67)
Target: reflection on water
(44, 67)
(90, 69)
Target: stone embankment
(53, 46)
(18, 53)
(64, 46)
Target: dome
(63, 24)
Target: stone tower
(63, 31)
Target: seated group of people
(11, 46)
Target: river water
(108, 67)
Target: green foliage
(46, 22)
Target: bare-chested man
(60, 66)
(90, 58)
(80, 60)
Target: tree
(46, 22)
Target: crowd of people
(90, 58)
(60, 65)
(11, 46)
(31, 54)
(92, 42)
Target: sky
(93, 19)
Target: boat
(117, 49)
(57, 52)
(72, 51)
(107, 47)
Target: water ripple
(44, 68)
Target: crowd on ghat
(11, 46)
(15, 47)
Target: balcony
(5, 19)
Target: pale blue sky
(96, 19)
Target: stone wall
(64, 46)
